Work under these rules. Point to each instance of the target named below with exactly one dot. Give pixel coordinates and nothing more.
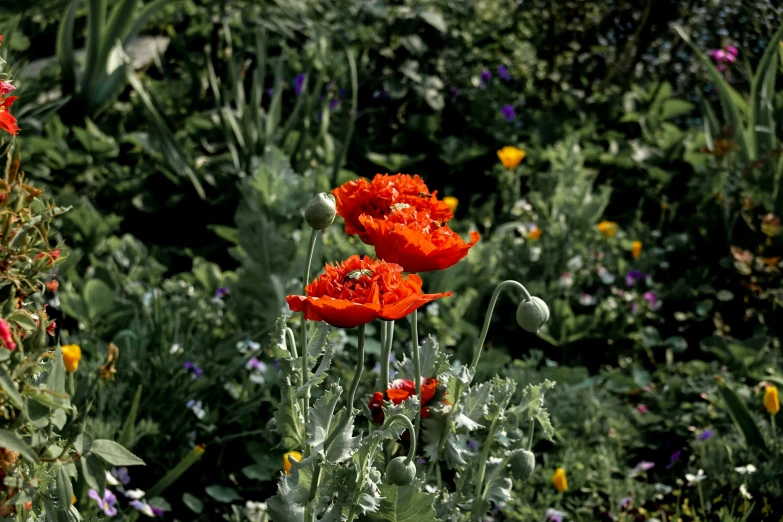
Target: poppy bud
(522, 463)
(321, 210)
(532, 314)
(400, 474)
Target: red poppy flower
(359, 290)
(415, 241)
(402, 390)
(375, 198)
(7, 121)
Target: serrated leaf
(434, 362)
(12, 441)
(315, 345)
(404, 504)
(532, 406)
(473, 407)
(282, 507)
(289, 423)
(114, 454)
(9, 389)
(320, 373)
(55, 381)
(457, 452)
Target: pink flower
(642, 408)
(6, 87)
(6, 337)
(718, 55)
(732, 51)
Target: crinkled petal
(341, 313)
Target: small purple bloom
(122, 475)
(188, 365)
(473, 444)
(254, 364)
(626, 503)
(156, 511)
(641, 468)
(221, 292)
(106, 503)
(299, 83)
(706, 434)
(503, 73)
(421, 461)
(197, 372)
(486, 76)
(633, 276)
(508, 112)
(652, 300)
(634, 308)
(270, 91)
(553, 515)
(718, 55)
(342, 92)
(454, 91)
(642, 408)
(673, 459)
(334, 104)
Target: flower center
(359, 273)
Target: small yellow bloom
(559, 480)
(511, 157)
(608, 228)
(452, 202)
(636, 249)
(199, 448)
(72, 354)
(287, 463)
(73, 499)
(535, 233)
(771, 401)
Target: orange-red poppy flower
(375, 198)
(359, 290)
(402, 390)
(415, 241)
(7, 121)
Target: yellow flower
(73, 499)
(452, 202)
(72, 354)
(771, 401)
(510, 156)
(636, 249)
(608, 228)
(287, 463)
(535, 233)
(559, 480)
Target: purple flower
(473, 444)
(254, 364)
(634, 308)
(122, 475)
(299, 83)
(652, 300)
(197, 372)
(606, 276)
(342, 92)
(421, 461)
(642, 408)
(143, 507)
(334, 104)
(486, 76)
(270, 91)
(553, 515)
(706, 434)
(454, 91)
(719, 55)
(673, 459)
(106, 503)
(503, 73)
(156, 511)
(641, 468)
(508, 112)
(633, 276)
(626, 503)
(221, 292)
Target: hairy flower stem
(530, 438)
(344, 421)
(483, 463)
(416, 369)
(476, 356)
(386, 348)
(291, 343)
(305, 361)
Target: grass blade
(742, 418)
(96, 20)
(65, 48)
(126, 435)
(340, 159)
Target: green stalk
(483, 462)
(173, 474)
(305, 354)
(416, 368)
(386, 349)
(343, 422)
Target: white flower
(698, 477)
(110, 480)
(575, 263)
(535, 253)
(746, 470)
(255, 507)
(175, 349)
(744, 491)
(135, 494)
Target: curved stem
(488, 317)
(305, 361)
(289, 336)
(351, 393)
(343, 421)
(416, 369)
(412, 448)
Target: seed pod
(400, 474)
(532, 314)
(320, 212)
(522, 463)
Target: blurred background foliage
(188, 135)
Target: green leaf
(289, 423)
(12, 441)
(223, 494)
(403, 504)
(741, 417)
(9, 388)
(126, 435)
(315, 345)
(532, 406)
(675, 107)
(762, 93)
(23, 319)
(320, 373)
(98, 297)
(55, 381)
(473, 407)
(434, 362)
(64, 487)
(194, 504)
(323, 422)
(284, 507)
(94, 472)
(114, 454)
(436, 20)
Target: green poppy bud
(320, 212)
(400, 474)
(532, 314)
(522, 463)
